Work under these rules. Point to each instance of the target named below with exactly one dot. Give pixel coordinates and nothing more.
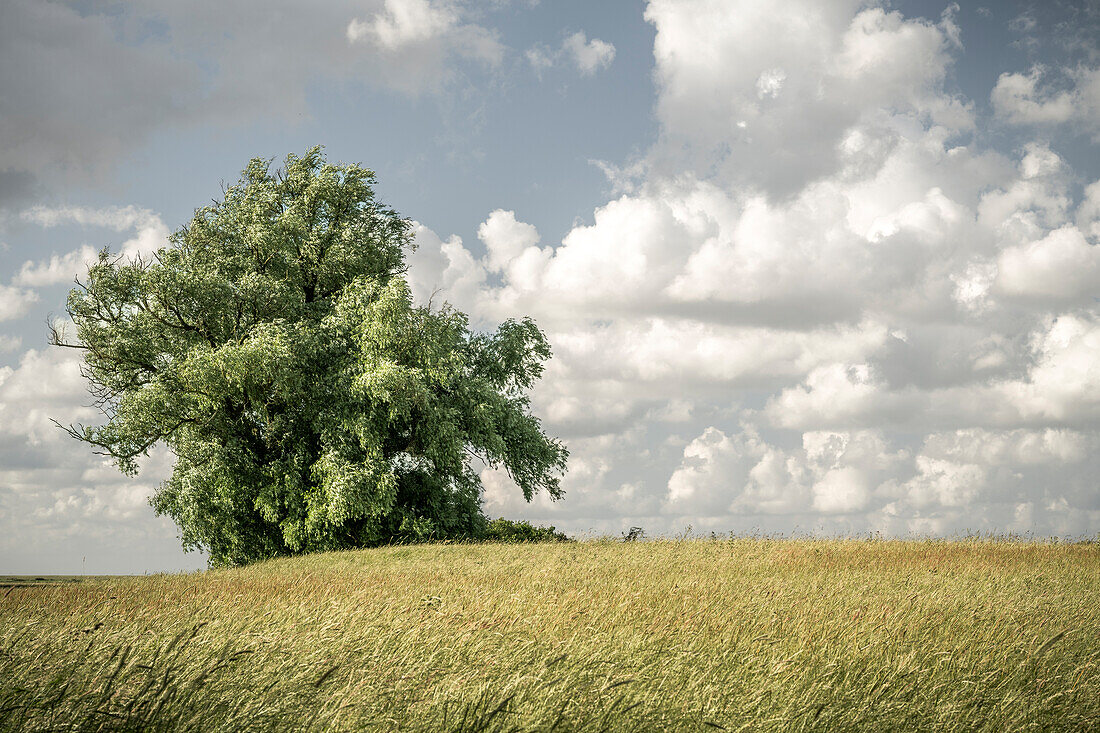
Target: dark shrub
(505, 530)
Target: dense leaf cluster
(510, 531)
(275, 348)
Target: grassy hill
(678, 635)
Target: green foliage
(507, 530)
(275, 349)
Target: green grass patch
(669, 635)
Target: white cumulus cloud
(586, 56)
(589, 55)
(15, 301)
(149, 233)
(1045, 97)
(420, 37)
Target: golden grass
(669, 635)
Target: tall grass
(676, 635)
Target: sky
(808, 267)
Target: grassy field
(669, 635)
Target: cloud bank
(823, 305)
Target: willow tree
(274, 347)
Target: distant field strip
(10, 581)
(711, 635)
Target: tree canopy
(275, 348)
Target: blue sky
(807, 266)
